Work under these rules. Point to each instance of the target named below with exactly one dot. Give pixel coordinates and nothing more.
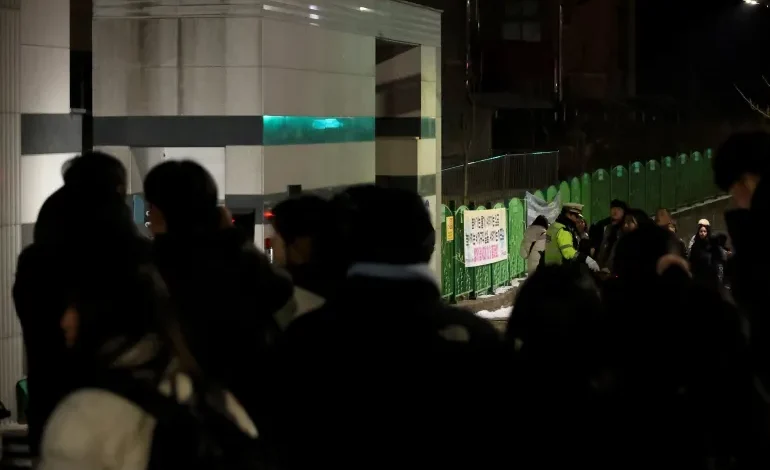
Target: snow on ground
(501, 314)
(505, 312)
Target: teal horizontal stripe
(297, 130)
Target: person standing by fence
(562, 241)
(533, 244)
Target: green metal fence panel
(481, 276)
(619, 184)
(539, 194)
(517, 220)
(668, 183)
(683, 193)
(600, 195)
(698, 188)
(713, 191)
(574, 191)
(462, 275)
(564, 192)
(637, 189)
(551, 193)
(501, 271)
(585, 197)
(447, 253)
(652, 187)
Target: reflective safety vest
(559, 244)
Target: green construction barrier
(600, 195)
(462, 276)
(447, 253)
(517, 221)
(713, 190)
(501, 271)
(585, 197)
(652, 185)
(619, 184)
(539, 194)
(668, 183)
(637, 190)
(564, 192)
(683, 194)
(698, 178)
(481, 276)
(574, 191)
(551, 193)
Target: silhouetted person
(303, 245)
(384, 367)
(226, 290)
(532, 246)
(99, 179)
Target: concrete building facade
(265, 94)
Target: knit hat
(362, 215)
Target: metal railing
(501, 177)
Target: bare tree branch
(754, 106)
(765, 80)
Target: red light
(232, 220)
(268, 214)
(268, 244)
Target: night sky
(695, 50)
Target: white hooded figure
(533, 244)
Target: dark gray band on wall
(386, 50)
(178, 131)
(419, 127)
(425, 185)
(51, 133)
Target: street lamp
(751, 2)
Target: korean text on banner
(537, 206)
(486, 239)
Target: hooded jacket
(533, 246)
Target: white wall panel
(155, 42)
(309, 93)
(203, 42)
(45, 84)
(426, 156)
(155, 92)
(202, 91)
(318, 166)
(44, 23)
(428, 99)
(297, 46)
(40, 177)
(243, 91)
(406, 64)
(243, 170)
(243, 42)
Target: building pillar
(11, 343)
(37, 135)
(409, 124)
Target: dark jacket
(605, 255)
(40, 296)
(227, 295)
(707, 261)
(596, 234)
(386, 369)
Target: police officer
(562, 241)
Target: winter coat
(533, 246)
(371, 364)
(707, 261)
(562, 242)
(96, 429)
(228, 298)
(40, 298)
(606, 253)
